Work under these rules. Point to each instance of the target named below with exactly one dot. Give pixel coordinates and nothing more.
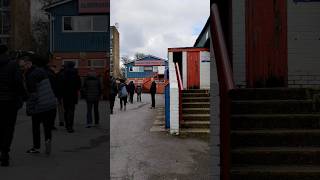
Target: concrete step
(196, 117)
(270, 93)
(206, 91)
(293, 172)
(196, 99)
(276, 156)
(275, 121)
(195, 95)
(196, 105)
(195, 131)
(195, 111)
(272, 107)
(196, 124)
(275, 138)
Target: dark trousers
(53, 121)
(153, 100)
(131, 97)
(112, 100)
(69, 115)
(46, 119)
(8, 122)
(138, 97)
(124, 101)
(95, 106)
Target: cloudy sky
(153, 26)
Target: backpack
(123, 92)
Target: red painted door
(193, 72)
(266, 43)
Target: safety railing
(226, 84)
(180, 85)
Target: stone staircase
(275, 134)
(195, 112)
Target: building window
(155, 68)
(148, 68)
(97, 63)
(136, 69)
(4, 22)
(76, 61)
(85, 23)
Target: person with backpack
(12, 93)
(92, 94)
(139, 91)
(153, 91)
(123, 94)
(41, 103)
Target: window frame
(81, 31)
(90, 61)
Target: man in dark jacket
(153, 91)
(113, 92)
(71, 83)
(11, 94)
(131, 91)
(139, 91)
(92, 93)
(123, 94)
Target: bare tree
(139, 55)
(125, 59)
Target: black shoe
(111, 112)
(4, 158)
(33, 151)
(61, 124)
(54, 128)
(70, 131)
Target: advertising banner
(94, 6)
(149, 63)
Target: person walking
(12, 93)
(153, 91)
(71, 83)
(123, 94)
(113, 92)
(131, 91)
(92, 94)
(139, 91)
(41, 103)
(60, 101)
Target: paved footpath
(78, 156)
(139, 154)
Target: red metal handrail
(180, 85)
(226, 84)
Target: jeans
(124, 101)
(95, 106)
(131, 97)
(138, 97)
(112, 100)
(8, 122)
(46, 119)
(153, 99)
(69, 115)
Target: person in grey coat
(41, 103)
(92, 93)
